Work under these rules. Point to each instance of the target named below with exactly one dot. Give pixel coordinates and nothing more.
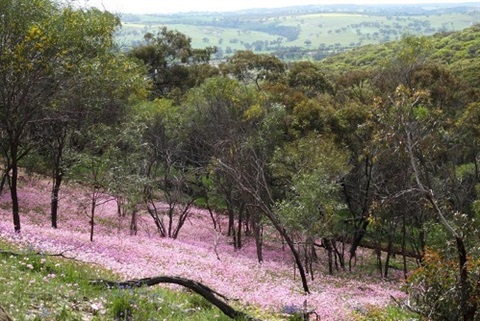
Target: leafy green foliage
(249, 67)
(444, 48)
(173, 65)
(312, 167)
(435, 289)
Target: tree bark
(296, 256)
(133, 223)
(357, 239)
(13, 192)
(4, 180)
(57, 181)
(328, 247)
(257, 231)
(239, 227)
(92, 212)
(469, 306)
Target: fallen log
(209, 294)
(4, 315)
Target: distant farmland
(300, 32)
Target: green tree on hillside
(414, 128)
(100, 95)
(249, 67)
(311, 169)
(173, 65)
(42, 44)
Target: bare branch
(428, 193)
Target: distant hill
(300, 32)
(459, 50)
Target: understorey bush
(435, 289)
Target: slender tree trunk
(357, 239)
(387, 259)
(404, 247)
(257, 230)
(231, 231)
(298, 261)
(305, 256)
(283, 233)
(4, 180)
(92, 213)
(231, 222)
(239, 226)
(362, 226)
(309, 256)
(182, 218)
(170, 220)
(153, 211)
(264, 207)
(133, 223)
(248, 223)
(13, 190)
(338, 254)
(120, 209)
(328, 247)
(57, 181)
(234, 237)
(469, 306)
(378, 252)
(212, 216)
(230, 227)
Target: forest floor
(199, 253)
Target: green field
(305, 32)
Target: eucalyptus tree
(251, 68)
(43, 43)
(309, 78)
(379, 174)
(99, 94)
(351, 127)
(402, 59)
(311, 169)
(172, 179)
(235, 131)
(173, 65)
(418, 130)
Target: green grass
(34, 287)
(390, 313)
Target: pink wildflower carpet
(269, 286)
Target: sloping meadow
(200, 253)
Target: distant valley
(293, 33)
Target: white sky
(172, 6)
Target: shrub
(435, 288)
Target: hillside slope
(200, 254)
